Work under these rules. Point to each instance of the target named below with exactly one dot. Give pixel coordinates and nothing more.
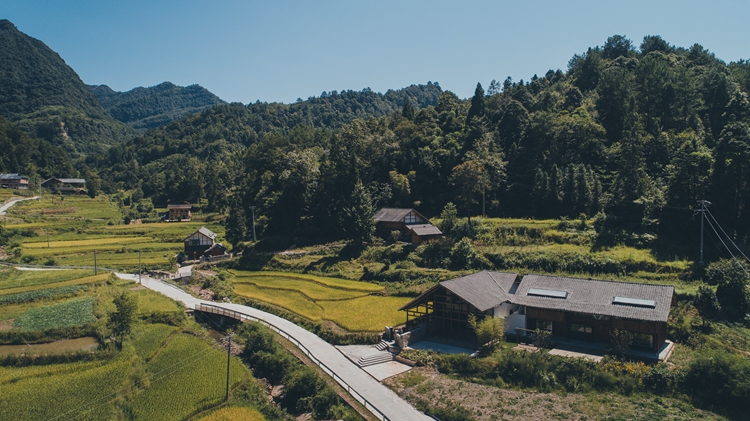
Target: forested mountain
(47, 99)
(208, 145)
(30, 156)
(633, 135)
(146, 108)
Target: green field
(69, 231)
(344, 302)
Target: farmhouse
(198, 242)
(407, 221)
(179, 213)
(65, 185)
(583, 310)
(14, 181)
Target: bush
(721, 381)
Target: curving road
(377, 395)
(6, 206)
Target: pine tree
(236, 223)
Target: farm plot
(12, 278)
(71, 313)
(234, 413)
(344, 302)
(187, 376)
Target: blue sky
(282, 50)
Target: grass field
(76, 312)
(341, 301)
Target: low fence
(208, 308)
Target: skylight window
(549, 293)
(635, 302)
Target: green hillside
(47, 99)
(146, 108)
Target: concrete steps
(378, 358)
(381, 346)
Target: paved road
(6, 206)
(379, 396)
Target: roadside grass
(152, 302)
(234, 413)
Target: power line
(725, 246)
(728, 237)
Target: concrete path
(6, 206)
(378, 396)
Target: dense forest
(147, 108)
(632, 134)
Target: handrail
(210, 308)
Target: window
(581, 332)
(194, 242)
(642, 340)
(411, 218)
(548, 293)
(544, 325)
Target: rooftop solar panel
(634, 302)
(547, 293)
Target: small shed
(179, 213)
(198, 242)
(408, 222)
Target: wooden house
(582, 310)
(408, 222)
(179, 213)
(14, 181)
(198, 242)
(65, 185)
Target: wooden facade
(198, 242)
(179, 213)
(443, 313)
(410, 223)
(593, 328)
(14, 181)
(65, 185)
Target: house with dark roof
(583, 310)
(408, 222)
(14, 181)
(197, 243)
(65, 185)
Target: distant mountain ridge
(48, 100)
(146, 108)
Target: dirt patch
(199, 292)
(6, 324)
(57, 211)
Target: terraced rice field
(234, 414)
(344, 302)
(68, 232)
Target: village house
(198, 242)
(408, 222)
(581, 310)
(179, 213)
(14, 181)
(65, 185)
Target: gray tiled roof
(483, 290)
(72, 180)
(178, 206)
(14, 176)
(425, 229)
(595, 297)
(207, 232)
(392, 214)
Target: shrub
(719, 380)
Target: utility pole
(139, 266)
(252, 208)
(229, 348)
(47, 232)
(702, 210)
